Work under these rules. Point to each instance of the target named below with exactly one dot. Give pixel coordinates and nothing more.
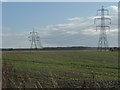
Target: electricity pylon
(35, 40)
(103, 42)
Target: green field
(55, 68)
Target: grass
(50, 68)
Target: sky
(58, 23)
(59, 0)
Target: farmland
(46, 69)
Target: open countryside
(61, 68)
(60, 45)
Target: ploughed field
(60, 69)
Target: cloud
(15, 40)
(3, 0)
(78, 27)
(113, 9)
(75, 19)
(72, 32)
(77, 31)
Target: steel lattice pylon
(103, 42)
(35, 40)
